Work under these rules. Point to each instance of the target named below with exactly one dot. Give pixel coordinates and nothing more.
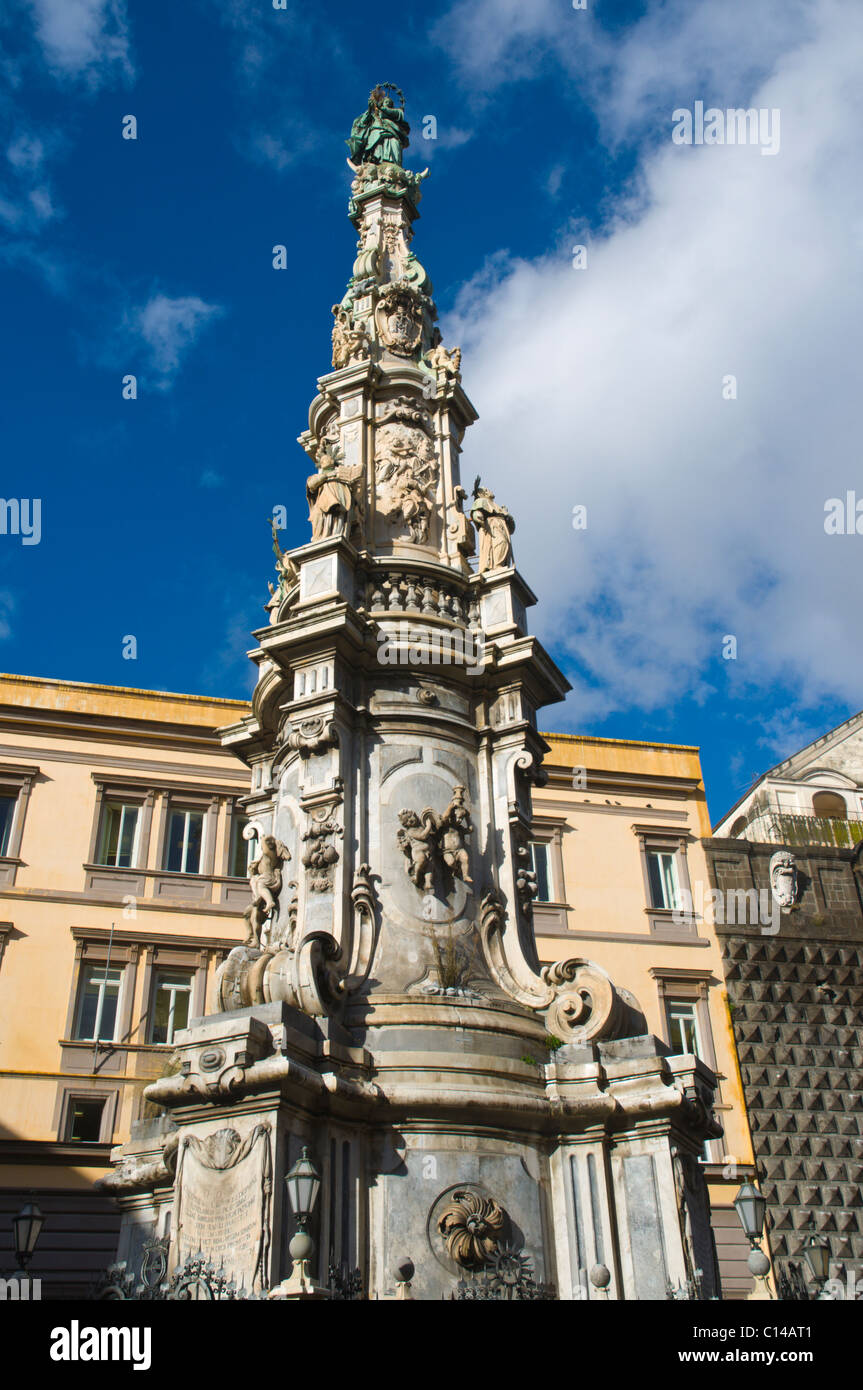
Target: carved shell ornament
(472, 1226)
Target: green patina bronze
(381, 133)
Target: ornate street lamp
(27, 1226)
(303, 1183)
(816, 1253)
(751, 1208)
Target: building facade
(122, 886)
(124, 867)
(618, 839)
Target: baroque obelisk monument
(488, 1121)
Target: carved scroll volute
(585, 1005)
(318, 981)
(580, 1001)
(363, 927)
(531, 991)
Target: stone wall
(796, 998)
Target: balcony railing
(815, 830)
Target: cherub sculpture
(351, 341)
(265, 883)
(416, 839)
(445, 360)
(455, 826)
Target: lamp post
(751, 1208)
(816, 1253)
(27, 1226)
(303, 1183)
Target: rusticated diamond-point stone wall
(796, 997)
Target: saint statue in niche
(332, 496)
(495, 527)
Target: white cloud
(26, 152)
(628, 73)
(84, 38)
(169, 328)
(28, 212)
(705, 516)
(28, 205)
(554, 180)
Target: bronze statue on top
(381, 133)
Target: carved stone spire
(394, 730)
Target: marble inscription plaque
(224, 1186)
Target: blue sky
(599, 387)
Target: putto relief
(265, 884)
(351, 341)
(433, 842)
(406, 468)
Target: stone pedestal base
(444, 1146)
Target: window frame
(182, 808)
(545, 846)
(91, 948)
(680, 985)
(7, 831)
(124, 804)
(83, 981)
(15, 782)
(92, 1099)
(654, 855)
(155, 984)
(239, 822)
(550, 915)
(170, 958)
(677, 1003)
(662, 840)
(68, 1094)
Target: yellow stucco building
(121, 863)
(618, 844)
(122, 866)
